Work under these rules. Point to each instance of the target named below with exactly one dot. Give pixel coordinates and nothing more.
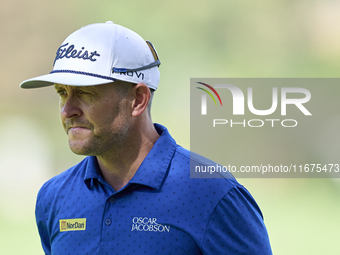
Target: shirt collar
(153, 169)
(92, 171)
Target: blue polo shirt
(160, 211)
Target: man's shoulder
(204, 191)
(183, 167)
(58, 182)
(194, 161)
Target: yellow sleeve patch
(72, 224)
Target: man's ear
(142, 95)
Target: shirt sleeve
(236, 227)
(41, 221)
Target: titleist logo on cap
(71, 52)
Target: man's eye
(62, 92)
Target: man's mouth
(76, 128)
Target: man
(133, 193)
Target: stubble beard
(110, 141)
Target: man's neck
(120, 166)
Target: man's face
(96, 118)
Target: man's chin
(80, 148)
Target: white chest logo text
(148, 224)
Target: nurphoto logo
(204, 97)
(295, 96)
(265, 127)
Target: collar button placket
(112, 200)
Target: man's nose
(70, 108)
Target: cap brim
(63, 78)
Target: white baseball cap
(102, 53)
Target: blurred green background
(234, 38)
